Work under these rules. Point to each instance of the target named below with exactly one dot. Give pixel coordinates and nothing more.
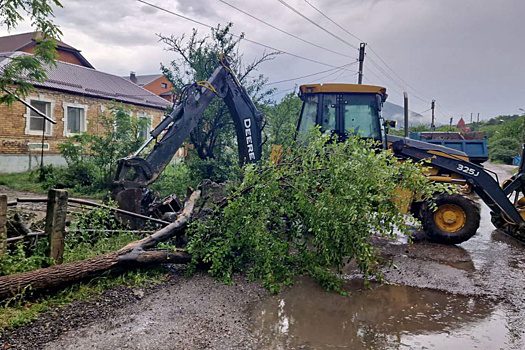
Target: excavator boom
(135, 173)
(507, 215)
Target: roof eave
(102, 97)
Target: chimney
(133, 77)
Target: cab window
(361, 116)
(309, 113)
(328, 115)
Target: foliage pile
(309, 214)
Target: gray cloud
(192, 7)
(466, 54)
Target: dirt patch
(184, 313)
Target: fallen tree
(309, 213)
(132, 255)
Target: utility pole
(361, 60)
(405, 100)
(433, 107)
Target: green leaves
(22, 70)
(92, 158)
(309, 214)
(282, 120)
(196, 57)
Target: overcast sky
(467, 54)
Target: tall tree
(16, 76)
(282, 120)
(196, 58)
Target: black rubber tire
(472, 213)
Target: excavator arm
(506, 203)
(136, 172)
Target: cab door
(330, 113)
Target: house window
(144, 126)
(74, 119)
(36, 123)
(164, 85)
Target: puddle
(402, 317)
(384, 317)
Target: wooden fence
(55, 222)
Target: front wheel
(453, 220)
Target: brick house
(26, 42)
(156, 83)
(74, 95)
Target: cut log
(133, 254)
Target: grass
(18, 312)
(28, 182)
(22, 182)
(79, 245)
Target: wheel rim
(450, 218)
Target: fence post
(56, 223)
(3, 224)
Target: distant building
(74, 95)
(26, 42)
(463, 126)
(156, 83)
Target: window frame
(343, 128)
(48, 125)
(65, 106)
(340, 127)
(149, 117)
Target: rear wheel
(454, 220)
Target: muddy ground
(435, 297)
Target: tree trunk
(133, 254)
(60, 275)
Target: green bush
(504, 149)
(87, 236)
(309, 214)
(176, 178)
(92, 159)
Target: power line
(385, 73)
(284, 3)
(331, 20)
(281, 91)
(370, 47)
(376, 75)
(238, 36)
(342, 72)
(310, 75)
(406, 84)
(326, 76)
(284, 31)
(426, 110)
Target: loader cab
(343, 109)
